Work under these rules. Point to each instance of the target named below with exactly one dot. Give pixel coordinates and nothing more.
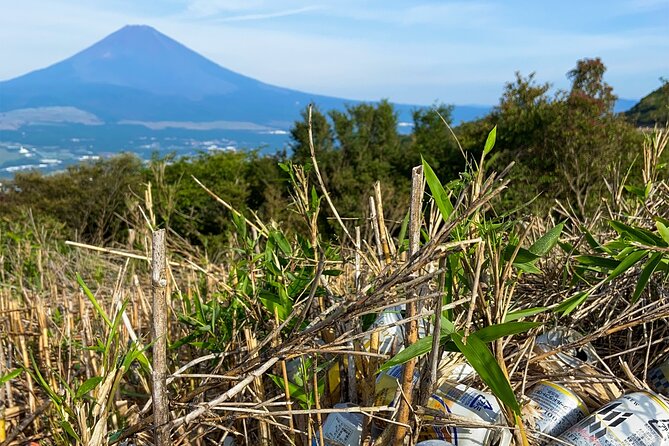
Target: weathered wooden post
(415, 216)
(161, 410)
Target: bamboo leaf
(546, 242)
(600, 262)
(592, 242)
(10, 376)
(528, 268)
(663, 230)
(523, 255)
(568, 305)
(438, 192)
(87, 386)
(490, 141)
(637, 234)
(519, 314)
(493, 332)
(627, 263)
(483, 361)
(93, 300)
(645, 275)
(418, 348)
(67, 427)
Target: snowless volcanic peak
(139, 56)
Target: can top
(567, 392)
(559, 336)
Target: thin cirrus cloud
(268, 15)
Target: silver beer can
(635, 419)
(560, 408)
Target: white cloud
(268, 15)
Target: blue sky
(414, 52)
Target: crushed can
(658, 378)
(559, 408)
(559, 336)
(434, 443)
(636, 419)
(469, 403)
(342, 428)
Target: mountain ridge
(139, 73)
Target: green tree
(89, 198)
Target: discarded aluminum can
(560, 408)
(470, 403)
(454, 372)
(559, 336)
(658, 378)
(387, 383)
(391, 337)
(342, 428)
(636, 419)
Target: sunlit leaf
(490, 141)
(438, 192)
(645, 275)
(481, 358)
(546, 242)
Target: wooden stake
(412, 327)
(159, 335)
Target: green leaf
(592, 241)
(568, 305)
(87, 386)
(546, 242)
(636, 190)
(439, 194)
(487, 334)
(627, 263)
(418, 348)
(528, 268)
(644, 277)
(10, 376)
(67, 427)
(663, 230)
(282, 242)
(483, 361)
(93, 300)
(493, 332)
(639, 235)
(597, 261)
(519, 314)
(297, 392)
(490, 141)
(523, 255)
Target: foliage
(565, 146)
(652, 109)
(87, 198)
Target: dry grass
(220, 384)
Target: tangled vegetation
(292, 281)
